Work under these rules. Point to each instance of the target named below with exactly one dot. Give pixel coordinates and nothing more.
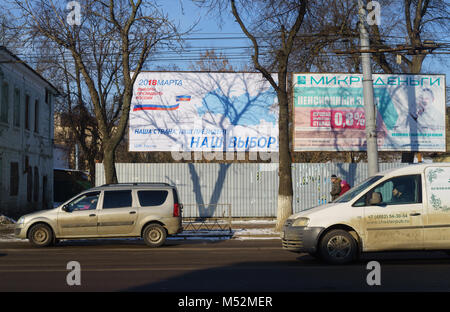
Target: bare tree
(420, 21)
(276, 24)
(410, 30)
(108, 45)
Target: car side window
(396, 191)
(86, 201)
(152, 198)
(117, 199)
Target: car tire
(40, 235)
(338, 247)
(154, 235)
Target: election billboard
(203, 111)
(329, 112)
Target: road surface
(208, 266)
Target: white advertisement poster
(197, 111)
(329, 112)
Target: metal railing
(207, 217)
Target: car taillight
(176, 210)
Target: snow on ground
(10, 238)
(256, 221)
(6, 220)
(262, 231)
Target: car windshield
(354, 191)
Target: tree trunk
(109, 165)
(91, 165)
(415, 68)
(285, 192)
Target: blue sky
(227, 33)
(224, 35)
(211, 26)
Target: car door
(437, 226)
(117, 216)
(79, 217)
(393, 221)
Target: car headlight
(301, 222)
(21, 220)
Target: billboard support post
(369, 107)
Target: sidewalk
(241, 229)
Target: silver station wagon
(148, 210)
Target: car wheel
(338, 247)
(40, 235)
(154, 235)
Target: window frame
(87, 194)
(17, 107)
(14, 185)
(27, 111)
(4, 102)
(419, 195)
(108, 208)
(139, 198)
(36, 115)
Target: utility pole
(369, 107)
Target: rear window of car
(152, 198)
(117, 199)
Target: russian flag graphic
(141, 107)
(183, 98)
(179, 98)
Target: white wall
(18, 143)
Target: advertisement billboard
(199, 111)
(329, 112)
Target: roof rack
(137, 184)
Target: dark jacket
(335, 189)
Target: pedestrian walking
(335, 187)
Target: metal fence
(197, 218)
(249, 188)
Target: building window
(44, 192)
(27, 112)
(36, 184)
(4, 103)
(17, 107)
(14, 179)
(36, 116)
(29, 184)
(47, 96)
(1, 180)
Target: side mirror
(66, 208)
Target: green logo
(301, 79)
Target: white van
(399, 209)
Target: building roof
(18, 60)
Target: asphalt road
(209, 266)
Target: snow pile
(10, 238)
(6, 220)
(264, 233)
